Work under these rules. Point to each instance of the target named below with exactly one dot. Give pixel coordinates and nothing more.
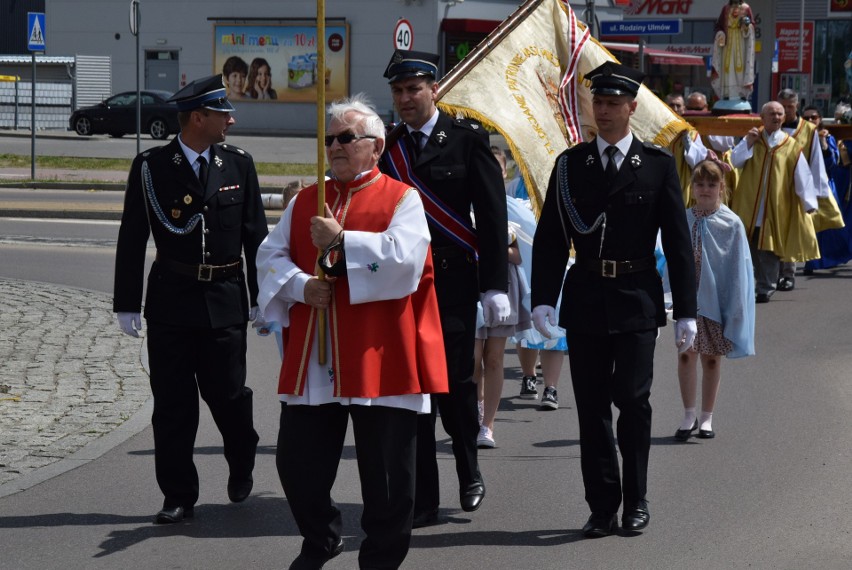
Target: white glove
(685, 331)
(259, 323)
(541, 316)
(495, 306)
(129, 323)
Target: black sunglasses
(345, 138)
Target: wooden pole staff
(321, 316)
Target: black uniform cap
(612, 78)
(404, 64)
(207, 93)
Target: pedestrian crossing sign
(35, 31)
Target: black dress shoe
(171, 515)
(786, 283)
(706, 433)
(636, 516)
(305, 562)
(239, 488)
(683, 434)
(600, 525)
(425, 518)
(472, 496)
(761, 298)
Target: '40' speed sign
(403, 35)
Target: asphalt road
(771, 491)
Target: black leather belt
(609, 268)
(444, 257)
(201, 272)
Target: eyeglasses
(811, 117)
(345, 138)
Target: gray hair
(787, 95)
(364, 110)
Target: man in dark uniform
(450, 162)
(201, 201)
(609, 197)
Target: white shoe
(485, 439)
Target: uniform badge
(635, 161)
(175, 213)
(187, 199)
(218, 161)
(441, 137)
(590, 160)
(177, 158)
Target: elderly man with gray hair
(383, 332)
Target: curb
(272, 216)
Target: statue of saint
(733, 52)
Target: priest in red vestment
(383, 332)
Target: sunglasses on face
(345, 138)
(811, 117)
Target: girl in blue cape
(725, 281)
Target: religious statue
(733, 52)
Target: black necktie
(611, 167)
(418, 137)
(202, 171)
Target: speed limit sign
(403, 35)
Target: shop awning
(658, 56)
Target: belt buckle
(608, 268)
(205, 272)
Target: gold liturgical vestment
(828, 214)
(785, 228)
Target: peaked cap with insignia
(206, 93)
(612, 78)
(405, 64)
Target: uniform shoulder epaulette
(469, 124)
(234, 149)
(153, 151)
(579, 147)
(656, 148)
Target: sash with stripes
(455, 227)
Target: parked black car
(116, 116)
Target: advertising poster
(278, 63)
(788, 46)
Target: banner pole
(320, 84)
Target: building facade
(181, 40)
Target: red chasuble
(380, 348)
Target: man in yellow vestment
(774, 198)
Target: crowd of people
(398, 302)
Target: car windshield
(122, 100)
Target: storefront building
(181, 40)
